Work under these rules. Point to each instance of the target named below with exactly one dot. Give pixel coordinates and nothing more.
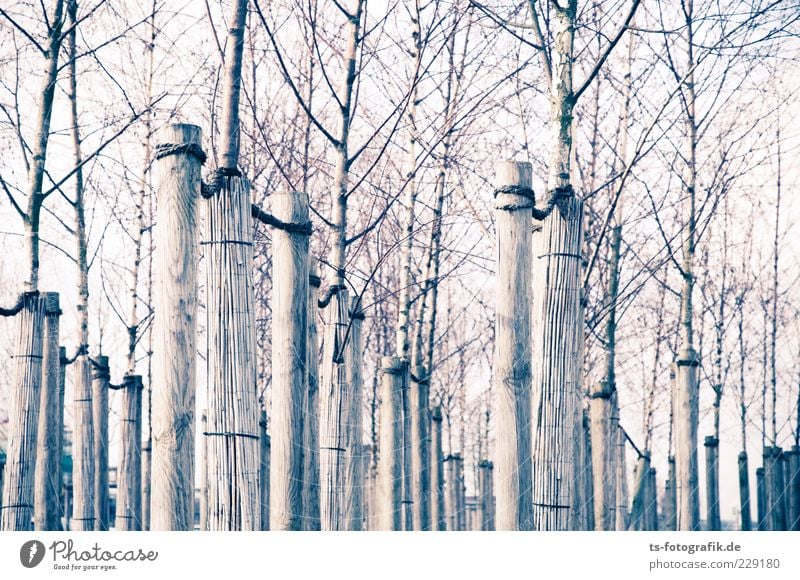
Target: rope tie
(519, 190)
(216, 179)
(192, 149)
(332, 290)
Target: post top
(510, 173)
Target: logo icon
(32, 553)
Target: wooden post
(777, 495)
(486, 496)
(460, 493)
(172, 470)
(354, 502)
(712, 484)
(233, 409)
(311, 406)
(420, 454)
(47, 486)
(670, 498)
(407, 500)
(289, 358)
(640, 494)
(603, 453)
(512, 389)
(202, 473)
(794, 489)
(685, 429)
(622, 515)
(265, 454)
(129, 471)
(100, 379)
(437, 472)
(335, 400)
(389, 478)
(450, 499)
(744, 493)
(761, 500)
(652, 501)
(18, 497)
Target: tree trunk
(289, 357)
(178, 186)
(437, 473)
(47, 486)
(512, 367)
(354, 502)
(389, 477)
(18, 495)
(311, 418)
(129, 469)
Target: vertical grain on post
(513, 380)
(437, 472)
(711, 445)
(172, 462)
(47, 486)
(233, 408)
(202, 473)
(289, 359)
(100, 379)
(18, 509)
(746, 521)
(603, 453)
(354, 502)
(794, 488)
(265, 471)
(311, 409)
(420, 454)
(129, 470)
(389, 477)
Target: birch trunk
(289, 357)
(311, 416)
(100, 379)
(178, 186)
(18, 497)
(437, 473)
(712, 484)
(47, 486)
(744, 493)
(129, 470)
(512, 365)
(335, 403)
(354, 501)
(389, 476)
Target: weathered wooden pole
(18, 496)
(713, 521)
(420, 453)
(652, 500)
(407, 500)
(178, 159)
(334, 403)
(202, 473)
(450, 497)
(777, 485)
(437, 472)
(354, 501)
(685, 430)
(265, 454)
(794, 488)
(640, 494)
(603, 455)
(486, 496)
(289, 358)
(761, 500)
(47, 486)
(129, 470)
(670, 497)
(389, 477)
(512, 370)
(100, 380)
(744, 493)
(311, 407)
(622, 516)
(460, 494)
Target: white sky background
(187, 76)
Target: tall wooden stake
(712, 485)
(129, 470)
(744, 494)
(265, 471)
(177, 189)
(685, 429)
(202, 474)
(486, 496)
(794, 489)
(311, 409)
(761, 500)
(437, 472)
(420, 454)
(389, 478)
(18, 497)
(289, 358)
(47, 486)
(354, 502)
(512, 388)
(670, 498)
(100, 379)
